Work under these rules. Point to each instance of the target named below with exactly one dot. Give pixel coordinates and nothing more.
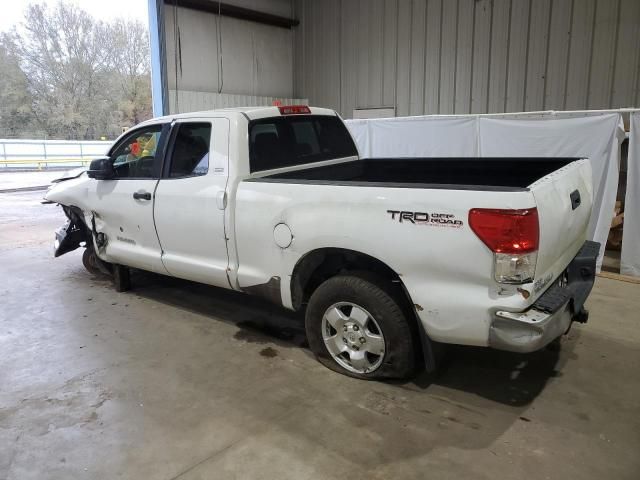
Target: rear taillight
(294, 110)
(506, 231)
(512, 235)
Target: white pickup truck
(388, 258)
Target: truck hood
(70, 174)
(70, 191)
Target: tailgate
(563, 199)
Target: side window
(135, 156)
(190, 155)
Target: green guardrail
(43, 162)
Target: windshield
(285, 141)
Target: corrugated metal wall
(255, 59)
(189, 101)
(467, 56)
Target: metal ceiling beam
(234, 11)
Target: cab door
(191, 201)
(123, 206)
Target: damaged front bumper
(73, 234)
(553, 312)
(68, 237)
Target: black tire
(89, 262)
(377, 298)
(121, 278)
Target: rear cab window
(290, 140)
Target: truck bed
(502, 174)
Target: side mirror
(101, 169)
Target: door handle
(575, 199)
(142, 195)
(221, 200)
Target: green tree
(85, 78)
(130, 58)
(62, 52)
(15, 99)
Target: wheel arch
(318, 265)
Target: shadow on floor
(503, 377)
(258, 320)
(476, 397)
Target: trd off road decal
(424, 218)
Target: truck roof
(252, 113)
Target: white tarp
(437, 136)
(630, 259)
(360, 132)
(424, 137)
(597, 137)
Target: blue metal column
(159, 88)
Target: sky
(13, 10)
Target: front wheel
(355, 326)
(89, 261)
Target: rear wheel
(356, 327)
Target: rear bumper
(553, 312)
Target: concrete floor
(179, 380)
